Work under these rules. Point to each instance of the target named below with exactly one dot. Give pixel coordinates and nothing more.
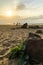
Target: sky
(25, 8)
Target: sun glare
(9, 13)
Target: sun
(9, 13)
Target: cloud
(20, 6)
(40, 17)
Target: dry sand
(8, 39)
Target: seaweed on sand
(17, 51)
